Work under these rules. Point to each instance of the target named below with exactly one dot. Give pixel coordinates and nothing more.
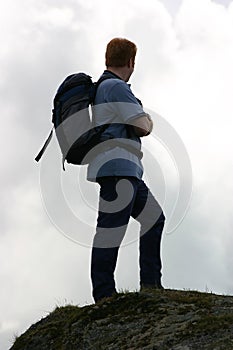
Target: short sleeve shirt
(116, 105)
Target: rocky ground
(149, 320)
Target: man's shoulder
(114, 89)
(113, 83)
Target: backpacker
(74, 128)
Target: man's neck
(121, 72)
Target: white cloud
(57, 17)
(184, 72)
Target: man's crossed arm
(143, 125)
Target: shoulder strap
(99, 81)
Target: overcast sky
(184, 73)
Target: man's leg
(111, 227)
(103, 263)
(150, 215)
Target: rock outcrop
(148, 320)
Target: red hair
(119, 51)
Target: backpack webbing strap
(39, 155)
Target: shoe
(105, 297)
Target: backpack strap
(39, 155)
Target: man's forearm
(143, 126)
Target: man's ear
(131, 62)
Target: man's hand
(143, 125)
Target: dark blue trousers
(120, 198)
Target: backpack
(71, 119)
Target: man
(118, 170)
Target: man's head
(120, 56)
